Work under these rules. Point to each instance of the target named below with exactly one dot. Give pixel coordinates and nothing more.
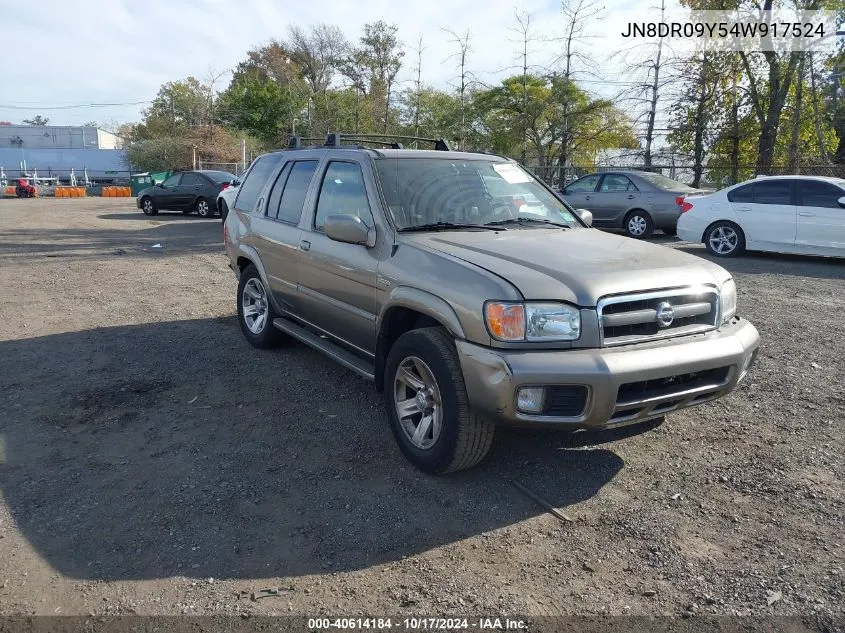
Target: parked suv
(471, 305)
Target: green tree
(36, 120)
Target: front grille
(661, 314)
(633, 392)
(565, 401)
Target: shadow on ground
(174, 448)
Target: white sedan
(784, 214)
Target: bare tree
(319, 52)
(794, 149)
(462, 42)
(577, 14)
(418, 85)
(524, 29)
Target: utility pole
(195, 157)
(243, 152)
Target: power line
(73, 107)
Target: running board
(333, 351)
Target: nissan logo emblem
(665, 314)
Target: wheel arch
(410, 309)
(247, 255)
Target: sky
(65, 53)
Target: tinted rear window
(742, 194)
(220, 176)
(255, 181)
(773, 192)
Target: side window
(173, 181)
(742, 194)
(813, 193)
(343, 193)
(290, 208)
(251, 188)
(272, 208)
(615, 182)
(585, 184)
(773, 192)
(191, 180)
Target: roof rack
(334, 139)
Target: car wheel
(224, 210)
(639, 225)
(724, 239)
(203, 208)
(255, 312)
(670, 230)
(148, 206)
(427, 404)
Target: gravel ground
(151, 462)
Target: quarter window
(343, 193)
(251, 188)
(173, 181)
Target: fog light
(530, 399)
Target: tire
(638, 224)
(252, 291)
(670, 231)
(724, 239)
(203, 209)
(462, 439)
(223, 210)
(148, 206)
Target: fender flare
(248, 252)
(425, 303)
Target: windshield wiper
(548, 223)
(448, 226)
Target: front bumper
(493, 376)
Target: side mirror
(349, 229)
(586, 216)
(236, 182)
(160, 184)
(841, 202)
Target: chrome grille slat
(634, 318)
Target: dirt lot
(151, 462)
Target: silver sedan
(636, 201)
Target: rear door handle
(305, 245)
(630, 197)
(743, 208)
(586, 197)
(806, 214)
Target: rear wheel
(427, 404)
(638, 224)
(724, 239)
(255, 311)
(203, 208)
(670, 230)
(148, 206)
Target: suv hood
(576, 265)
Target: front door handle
(586, 197)
(631, 197)
(806, 214)
(305, 245)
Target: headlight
(532, 321)
(727, 299)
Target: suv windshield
(429, 191)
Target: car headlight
(727, 300)
(532, 321)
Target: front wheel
(203, 208)
(639, 225)
(427, 404)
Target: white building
(31, 137)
